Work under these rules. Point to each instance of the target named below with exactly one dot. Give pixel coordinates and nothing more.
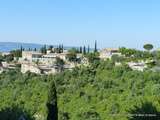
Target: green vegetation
(92, 57)
(148, 47)
(16, 53)
(134, 55)
(84, 50)
(52, 103)
(26, 92)
(58, 49)
(144, 110)
(14, 113)
(95, 47)
(10, 57)
(44, 49)
(72, 55)
(60, 64)
(100, 91)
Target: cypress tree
(77, 50)
(88, 49)
(80, 49)
(59, 48)
(50, 47)
(52, 103)
(95, 48)
(84, 50)
(62, 48)
(45, 49)
(21, 48)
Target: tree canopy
(72, 55)
(148, 47)
(95, 92)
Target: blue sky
(112, 23)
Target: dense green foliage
(14, 113)
(101, 91)
(16, 53)
(28, 92)
(58, 49)
(133, 54)
(7, 58)
(59, 63)
(147, 110)
(148, 47)
(72, 55)
(106, 92)
(44, 49)
(52, 103)
(92, 57)
(10, 57)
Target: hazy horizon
(76, 46)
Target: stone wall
(30, 67)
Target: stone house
(108, 52)
(31, 68)
(140, 66)
(29, 55)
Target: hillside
(101, 91)
(8, 46)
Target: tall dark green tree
(84, 50)
(50, 47)
(52, 103)
(62, 48)
(77, 50)
(88, 50)
(35, 49)
(59, 47)
(44, 49)
(95, 47)
(21, 48)
(80, 49)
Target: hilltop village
(51, 60)
(78, 83)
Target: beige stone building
(38, 69)
(30, 67)
(39, 63)
(29, 55)
(140, 66)
(108, 52)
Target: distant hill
(8, 46)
